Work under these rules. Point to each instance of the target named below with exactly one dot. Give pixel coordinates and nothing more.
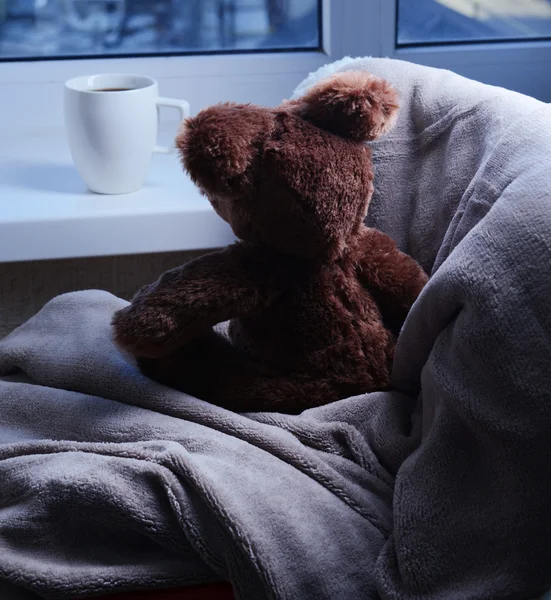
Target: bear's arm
(392, 277)
(187, 301)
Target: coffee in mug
(111, 124)
(113, 90)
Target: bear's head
(295, 179)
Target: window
(422, 22)
(41, 29)
(256, 50)
(505, 43)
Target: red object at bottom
(211, 591)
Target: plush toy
(315, 299)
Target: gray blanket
(440, 490)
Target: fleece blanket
(438, 490)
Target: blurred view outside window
(441, 21)
(58, 28)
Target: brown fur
(315, 299)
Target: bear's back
(323, 322)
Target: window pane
(64, 28)
(441, 21)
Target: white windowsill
(46, 211)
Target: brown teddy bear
(315, 299)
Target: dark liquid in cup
(112, 90)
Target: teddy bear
(306, 306)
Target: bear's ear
(353, 104)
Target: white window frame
(30, 92)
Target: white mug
(111, 123)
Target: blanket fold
(438, 490)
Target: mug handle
(183, 107)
